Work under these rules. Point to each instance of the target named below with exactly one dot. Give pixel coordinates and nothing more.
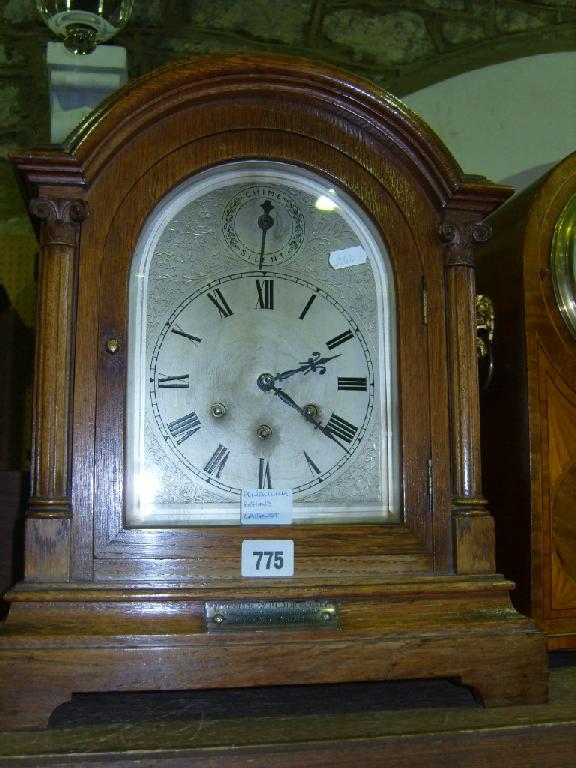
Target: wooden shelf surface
(397, 724)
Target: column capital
(460, 238)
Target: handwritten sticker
(266, 506)
(348, 257)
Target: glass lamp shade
(84, 23)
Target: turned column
(49, 510)
(473, 526)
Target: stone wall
(401, 46)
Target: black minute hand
(288, 400)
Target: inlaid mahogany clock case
(529, 408)
(105, 606)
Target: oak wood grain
(106, 606)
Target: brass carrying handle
(485, 337)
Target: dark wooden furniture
(108, 607)
(13, 495)
(16, 359)
(529, 409)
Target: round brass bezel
(563, 264)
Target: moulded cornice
(377, 116)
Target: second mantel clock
(256, 288)
(529, 409)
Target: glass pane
(262, 353)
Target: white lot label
(267, 558)
(266, 506)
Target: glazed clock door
(263, 353)
(255, 313)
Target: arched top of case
(343, 103)
(557, 185)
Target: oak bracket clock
(529, 409)
(256, 445)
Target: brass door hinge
(430, 484)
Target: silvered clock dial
(262, 352)
(281, 224)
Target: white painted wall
(509, 122)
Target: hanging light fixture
(78, 83)
(83, 24)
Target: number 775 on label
(267, 558)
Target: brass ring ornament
(563, 264)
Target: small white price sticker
(267, 558)
(348, 257)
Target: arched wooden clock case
(529, 409)
(109, 605)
